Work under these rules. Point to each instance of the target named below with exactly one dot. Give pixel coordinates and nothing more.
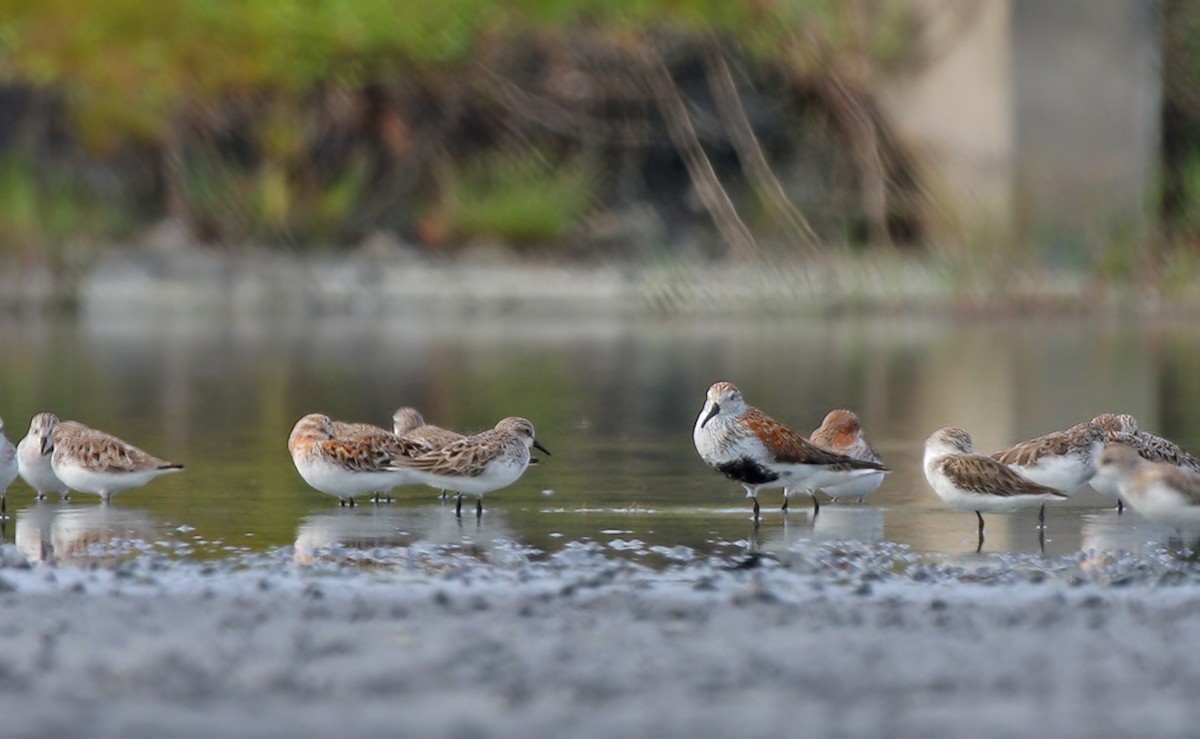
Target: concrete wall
(956, 110)
(1088, 92)
(1037, 117)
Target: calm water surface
(615, 403)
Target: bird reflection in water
(66, 534)
(366, 535)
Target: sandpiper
(1160, 492)
(841, 432)
(371, 434)
(479, 464)
(357, 462)
(1113, 424)
(345, 429)
(8, 468)
(406, 419)
(1063, 460)
(410, 424)
(967, 481)
(1122, 428)
(749, 447)
(35, 466)
(92, 461)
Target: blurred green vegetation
(516, 197)
(1181, 126)
(312, 122)
(41, 212)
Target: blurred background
(1061, 135)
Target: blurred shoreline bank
(391, 279)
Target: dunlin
(1122, 428)
(749, 447)
(841, 432)
(1160, 492)
(345, 466)
(479, 464)
(92, 461)
(967, 481)
(35, 466)
(8, 468)
(1063, 460)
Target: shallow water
(615, 403)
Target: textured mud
(829, 639)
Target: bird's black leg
(816, 506)
(1120, 506)
(755, 508)
(785, 503)
(1042, 517)
(458, 506)
(479, 508)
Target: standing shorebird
(1122, 428)
(35, 466)
(749, 447)
(1063, 460)
(1160, 492)
(410, 424)
(357, 462)
(479, 464)
(967, 481)
(92, 461)
(406, 419)
(841, 432)
(376, 436)
(344, 429)
(8, 469)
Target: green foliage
(522, 199)
(131, 67)
(183, 78)
(1187, 214)
(41, 211)
(269, 203)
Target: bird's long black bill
(537, 445)
(47, 445)
(715, 410)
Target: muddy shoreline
(393, 279)
(833, 643)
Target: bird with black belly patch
(749, 447)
